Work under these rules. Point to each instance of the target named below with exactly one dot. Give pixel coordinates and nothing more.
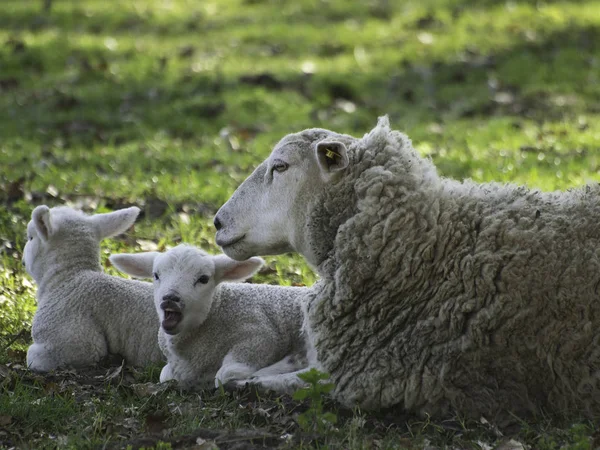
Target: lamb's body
(84, 314)
(253, 325)
(438, 295)
(90, 314)
(214, 332)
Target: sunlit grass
(170, 104)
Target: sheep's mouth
(224, 244)
(172, 317)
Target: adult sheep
(435, 295)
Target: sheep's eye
(280, 166)
(202, 280)
(155, 276)
(30, 238)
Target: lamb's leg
(232, 369)
(284, 383)
(291, 363)
(43, 357)
(66, 346)
(40, 359)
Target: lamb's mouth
(171, 319)
(227, 244)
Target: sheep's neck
(60, 269)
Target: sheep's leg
(232, 369)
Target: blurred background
(170, 104)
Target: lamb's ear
(41, 220)
(227, 269)
(135, 264)
(332, 156)
(116, 222)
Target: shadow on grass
(67, 94)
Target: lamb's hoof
(236, 385)
(246, 388)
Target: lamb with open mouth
(214, 332)
(172, 317)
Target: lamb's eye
(280, 166)
(30, 238)
(155, 276)
(202, 280)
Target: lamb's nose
(171, 298)
(218, 224)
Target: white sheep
(435, 295)
(84, 314)
(213, 332)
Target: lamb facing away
(213, 332)
(84, 314)
(435, 295)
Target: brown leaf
(14, 191)
(155, 423)
(5, 420)
(148, 389)
(202, 444)
(187, 51)
(115, 373)
(4, 371)
(262, 79)
(9, 83)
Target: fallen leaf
(5, 420)
(148, 389)
(155, 423)
(262, 79)
(512, 445)
(111, 375)
(147, 246)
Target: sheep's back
(477, 297)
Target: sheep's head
(185, 279)
(267, 213)
(67, 237)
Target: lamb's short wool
(84, 314)
(211, 331)
(435, 295)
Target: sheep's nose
(218, 224)
(171, 298)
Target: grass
(169, 104)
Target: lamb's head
(185, 279)
(267, 214)
(69, 238)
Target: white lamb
(435, 295)
(84, 314)
(213, 332)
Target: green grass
(170, 104)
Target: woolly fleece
(84, 314)
(232, 329)
(441, 296)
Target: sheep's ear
(137, 265)
(113, 223)
(41, 220)
(227, 269)
(332, 156)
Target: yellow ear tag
(331, 154)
